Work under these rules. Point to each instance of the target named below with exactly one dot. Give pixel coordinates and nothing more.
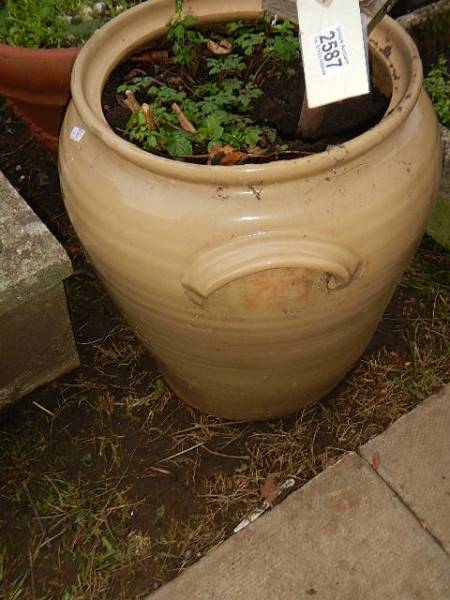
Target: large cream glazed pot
(256, 287)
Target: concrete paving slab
(36, 339)
(344, 535)
(31, 259)
(413, 457)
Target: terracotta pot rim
(130, 30)
(6, 49)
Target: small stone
(99, 7)
(87, 12)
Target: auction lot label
(333, 50)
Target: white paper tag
(333, 50)
(77, 134)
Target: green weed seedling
(54, 23)
(437, 84)
(218, 111)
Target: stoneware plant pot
(36, 83)
(257, 287)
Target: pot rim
(91, 71)
(6, 49)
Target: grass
(74, 526)
(54, 23)
(437, 84)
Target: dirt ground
(110, 486)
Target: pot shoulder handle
(215, 266)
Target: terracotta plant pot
(257, 287)
(36, 84)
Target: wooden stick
(172, 456)
(184, 121)
(131, 102)
(148, 116)
(310, 120)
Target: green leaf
(234, 26)
(214, 127)
(248, 41)
(190, 20)
(150, 141)
(252, 136)
(437, 84)
(228, 64)
(141, 118)
(84, 29)
(179, 145)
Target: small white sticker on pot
(77, 134)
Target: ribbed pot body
(256, 287)
(36, 82)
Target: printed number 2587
(330, 51)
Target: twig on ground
(49, 412)
(182, 452)
(234, 456)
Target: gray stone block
(438, 225)
(429, 26)
(413, 457)
(343, 536)
(36, 337)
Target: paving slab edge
(32, 260)
(359, 453)
(372, 452)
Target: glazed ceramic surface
(257, 287)
(36, 82)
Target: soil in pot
(229, 94)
